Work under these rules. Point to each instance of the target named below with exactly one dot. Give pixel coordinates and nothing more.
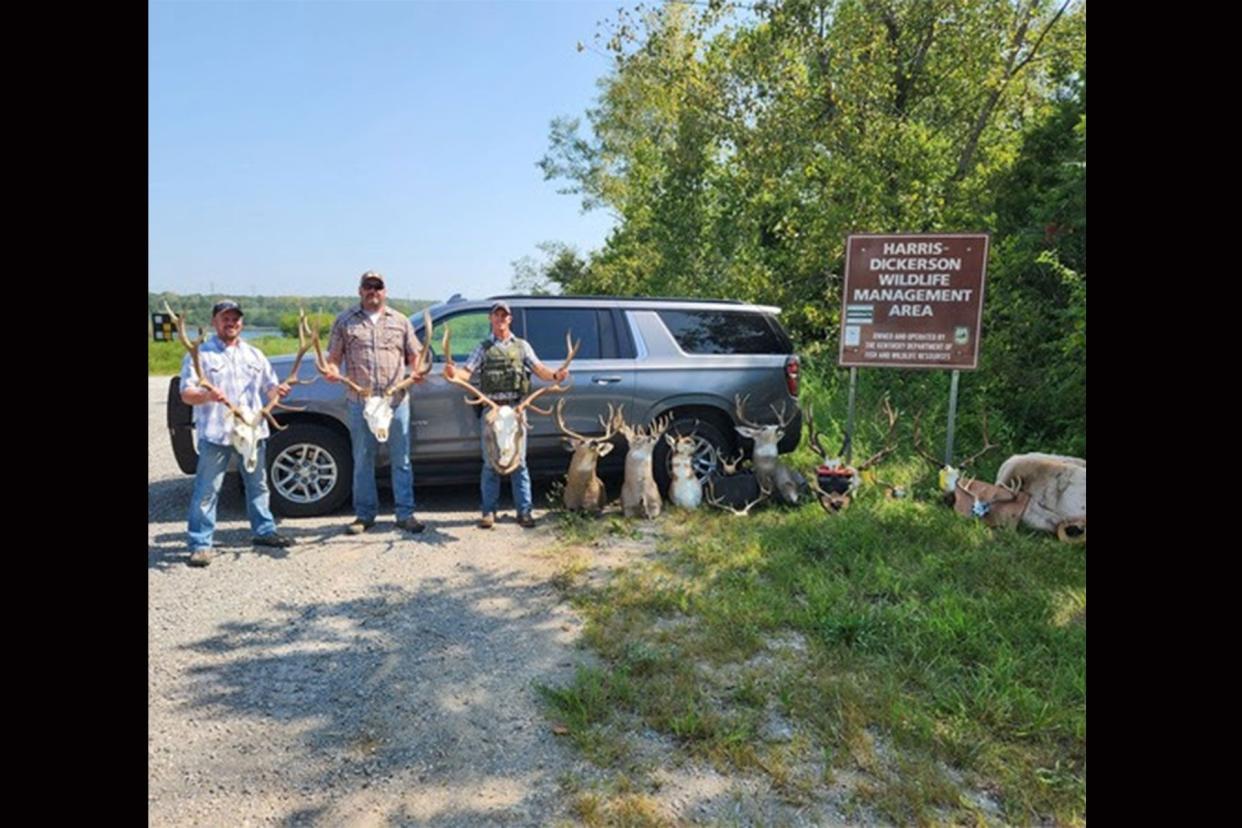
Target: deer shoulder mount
(949, 475)
(685, 489)
(842, 479)
(1057, 486)
(639, 494)
(583, 488)
(505, 426)
(377, 409)
(243, 423)
(776, 477)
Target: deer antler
(889, 443)
(195, 361)
(988, 445)
(321, 364)
(608, 424)
(728, 466)
(739, 403)
(780, 415)
(830, 501)
(530, 399)
(813, 436)
(422, 365)
(715, 501)
(918, 444)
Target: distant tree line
(267, 311)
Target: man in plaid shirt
(375, 343)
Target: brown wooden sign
(913, 300)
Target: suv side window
(545, 331)
(469, 329)
(724, 332)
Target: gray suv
(654, 356)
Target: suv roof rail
(622, 298)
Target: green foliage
(739, 152)
(951, 643)
(561, 266)
(321, 321)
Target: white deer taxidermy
(685, 489)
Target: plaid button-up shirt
(373, 355)
(242, 373)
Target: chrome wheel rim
(304, 473)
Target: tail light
(791, 375)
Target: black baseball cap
(226, 304)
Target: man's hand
(283, 389)
(331, 373)
(450, 371)
(560, 374)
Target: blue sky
(293, 145)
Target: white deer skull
(505, 425)
(378, 413)
(244, 435)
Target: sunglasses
(372, 286)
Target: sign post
(913, 300)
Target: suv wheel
(310, 470)
(709, 440)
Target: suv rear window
(725, 332)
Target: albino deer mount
(1057, 485)
(640, 497)
(685, 489)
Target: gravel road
(380, 679)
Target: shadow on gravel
(434, 681)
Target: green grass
(164, 358)
(928, 643)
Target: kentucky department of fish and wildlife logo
(961, 335)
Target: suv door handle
(604, 380)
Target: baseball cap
(226, 304)
(501, 306)
(371, 276)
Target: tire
(710, 440)
(310, 470)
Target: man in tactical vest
(507, 363)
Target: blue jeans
(366, 498)
(213, 462)
(519, 480)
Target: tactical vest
(503, 371)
